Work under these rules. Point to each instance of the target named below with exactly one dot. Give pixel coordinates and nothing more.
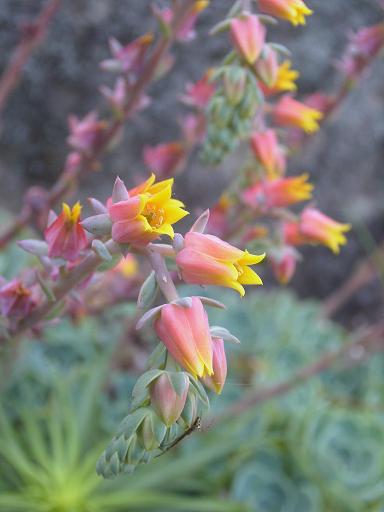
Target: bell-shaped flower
(285, 80)
(217, 380)
(65, 236)
(294, 11)
(289, 112)
(268, 152)
(320, 228)
(185, 332)
(283, 262)
(278, 193)
(314, 227)
(208, 260)
(144, 213)
(248, 36)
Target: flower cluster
(249, 99)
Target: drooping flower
(16, 299)
(248, 36)
(322, 229)
(285, 80)
(185, 333)
(268, 152)
(206, 259)
(290, 112)
(167, 403)
(219, 214)
(65, 236)
(144, 213)
(284, 263)
(314, 227)
(217, 380)
(267, 67)
(85, 134)
(278, 193)
(164, 159)
(294, 11)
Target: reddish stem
(32, 37)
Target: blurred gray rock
(345, 160)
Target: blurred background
(319, 448)
(344, 160)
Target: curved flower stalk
(169, 399)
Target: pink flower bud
(284, 264)
(217, 380)
(129, 58)
(167, 403)
(267, 66)
(185, 333)
(164, 159)
(65, 236)
(248, 36)
(199, 94)
(87, 133)
(268, 152)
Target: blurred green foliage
(318, 448)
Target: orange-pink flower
(289, 112)
(248, 36)
(268, 152)
(317, 228)
(65, 236)
(294, 11)
(206, 259)
(278, 193)
(185, 333)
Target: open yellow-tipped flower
(294, 11)
(206, 259)
(71, 215)
(286, 77)
(147, 212)
(320, 228)
(290, 112)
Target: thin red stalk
(68, 180)
(32, 37)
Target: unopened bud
(167, 401)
